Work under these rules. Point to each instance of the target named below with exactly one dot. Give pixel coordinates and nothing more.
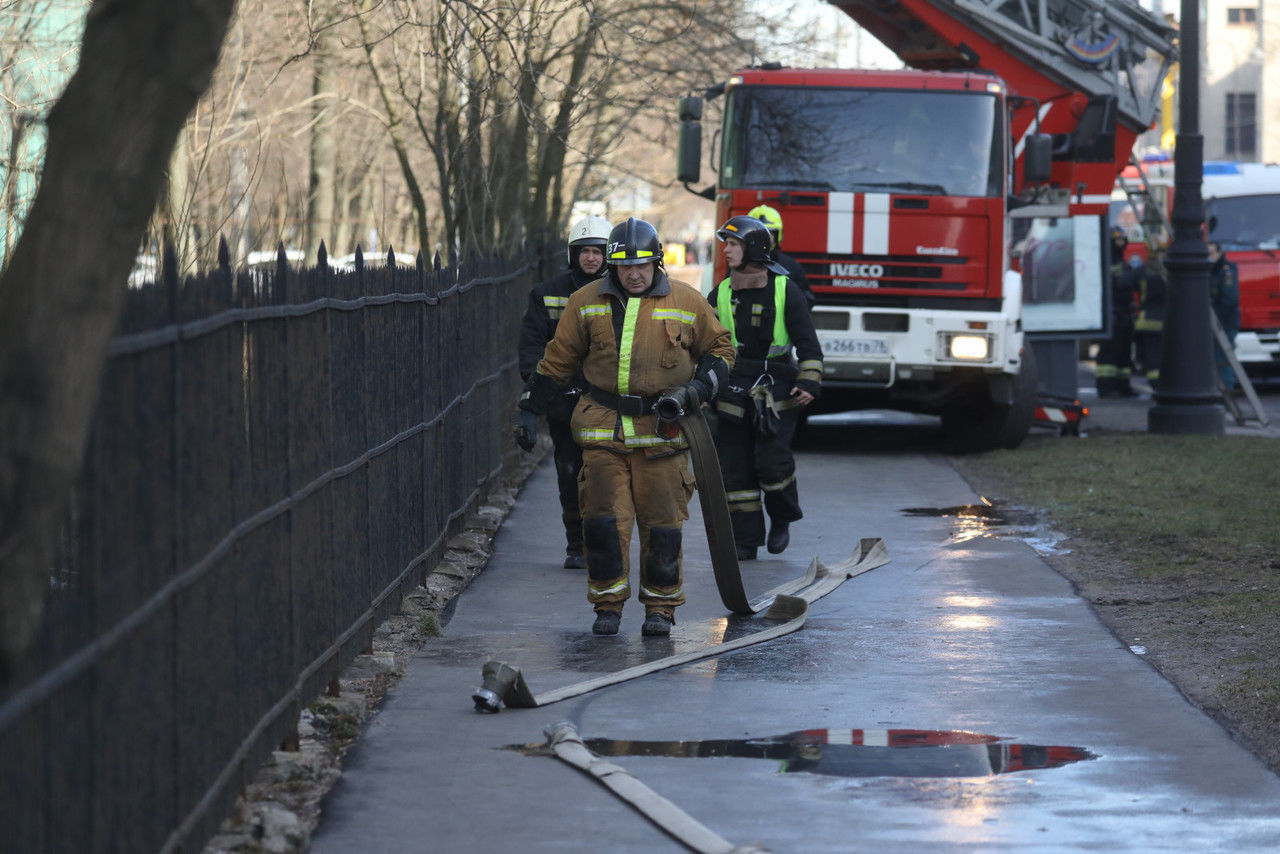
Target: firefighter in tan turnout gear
(636, 334)
(757, 413)
(587, 240)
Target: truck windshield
(1239, 222)
(862, 140)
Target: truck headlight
(968, 348)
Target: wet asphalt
(840, 737)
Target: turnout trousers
(1115, 359)
(568, 460)
(617, 492)
(753, 465)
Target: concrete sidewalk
(964, 631)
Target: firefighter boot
(656, 623)
(606, 622)
(574, 558)
(779, 537)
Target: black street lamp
(1187, 400)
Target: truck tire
(1023, 411)
(977, 424)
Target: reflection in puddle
(995, 519)
(858, 752)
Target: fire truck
(1242, 214)
(943, 214)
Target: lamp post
(1187, 399)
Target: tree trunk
(322, 196)
(143, 65)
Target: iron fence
(276, 460)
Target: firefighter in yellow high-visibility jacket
(636, 334)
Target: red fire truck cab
(942, 215)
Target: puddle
(857, 752)
(996, 519)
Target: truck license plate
(841, 346)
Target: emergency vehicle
(1242, 214)
(944, 213)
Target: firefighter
(586, 245)
(773, 221)
(635, 334)
(1148, 282)
(757, 414)
(1224, 299)
(1115, 354)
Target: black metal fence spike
(170, 261)
(322, 256)
(224, 254)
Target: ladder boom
(1088, 46)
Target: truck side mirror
(689, 156)
(1037, 158)
(690, 109)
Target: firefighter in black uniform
(587, 240)
(759, 409)
(773, 221)
(1115, 354)
(1148, 281)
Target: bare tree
(39, 40)
(516, 101)
(110, 136)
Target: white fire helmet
(588, 231)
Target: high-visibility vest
(781, 343)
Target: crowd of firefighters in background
(1138, 286)
(607, 341)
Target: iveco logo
(857, 271)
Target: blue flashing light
(1221, 167)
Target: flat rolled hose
(715, 512)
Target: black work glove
(699, 391)
(683, 399)
(526, 429)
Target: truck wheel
(1023, 411)
(977, 424)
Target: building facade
(1240, 99)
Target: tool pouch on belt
(766, 409)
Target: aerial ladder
(1085, 72)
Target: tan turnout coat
(664, 335)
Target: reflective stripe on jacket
(663, 335)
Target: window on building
(1242, 125)
(1242, 15)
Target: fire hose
(787, 605)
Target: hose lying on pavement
(564, 741)
(503, 683)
